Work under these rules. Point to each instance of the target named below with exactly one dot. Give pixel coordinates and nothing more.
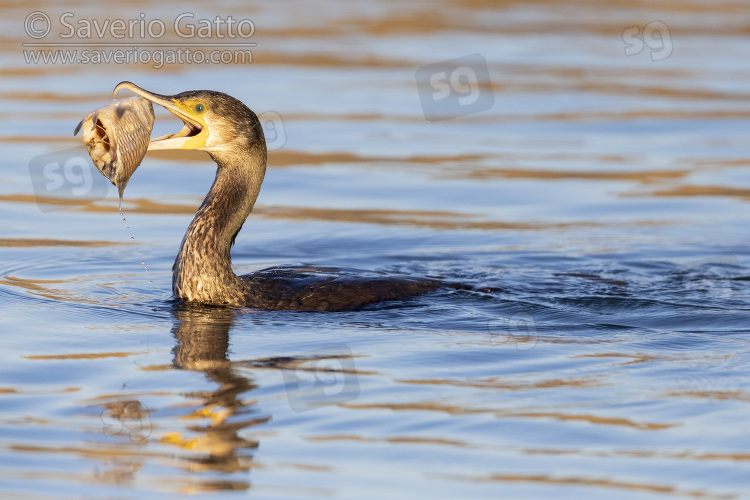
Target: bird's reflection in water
(202, 334)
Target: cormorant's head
(213, 121)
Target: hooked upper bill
(194, 133)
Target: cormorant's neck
(202, 271)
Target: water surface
(598, 205)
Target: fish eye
(200, 108)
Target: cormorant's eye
(200, 108)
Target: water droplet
(132, 238)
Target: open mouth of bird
(190, 128)
(187, 138)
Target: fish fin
(78, 127)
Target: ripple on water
(597, 208)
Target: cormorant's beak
(194, 133)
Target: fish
(117, 138)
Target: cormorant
(232, 135)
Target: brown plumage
(232, 135)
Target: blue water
(596, 201)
